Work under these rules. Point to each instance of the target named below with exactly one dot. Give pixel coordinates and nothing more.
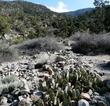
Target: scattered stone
(83, 102)
(43, 68)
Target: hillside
(21, 20)
(11, 7)
(79, 12)
(25, 19)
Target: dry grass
(91, 44)
(44, 44)
(7, 53)
(9, 83)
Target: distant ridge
(79, 12)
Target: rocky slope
(44, 77)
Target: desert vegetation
(28, 20)
(41, 44)
(9, 83)
(91, 44)
(42, 59)
(7, 53)
(67, 87)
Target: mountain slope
(26, 20)
(79, 12)
(22, 6)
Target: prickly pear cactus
(68, 86)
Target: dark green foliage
(29, 21)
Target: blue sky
(65, 5)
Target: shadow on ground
(105, 66)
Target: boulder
(85, 96)
(83, 102)
(3, 100)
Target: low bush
(10, 83)
(17, 40)
(7, 53)
(91, 44)
(44, 44)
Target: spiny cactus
(67, 86)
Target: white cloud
(61, 7)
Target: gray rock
(24, 103)
(60, 58)
(3, 101)
(83, 102)
(101, 103)
(73, 103)
(107, 82)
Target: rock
(39, 94)
(107, 96)
(101, 103)
(85, 96)
(26, 86)
(24, 103)
(96, 94)
(107, 82)
(34, 98)
(3, 100)
(73, 103)
(83, 102)
(90, 92)
(10, 98)
(24, 100)
(60, 58)
(23, 92)
(15, 103)
(44, 84)
(49, 69)
(39, 65)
